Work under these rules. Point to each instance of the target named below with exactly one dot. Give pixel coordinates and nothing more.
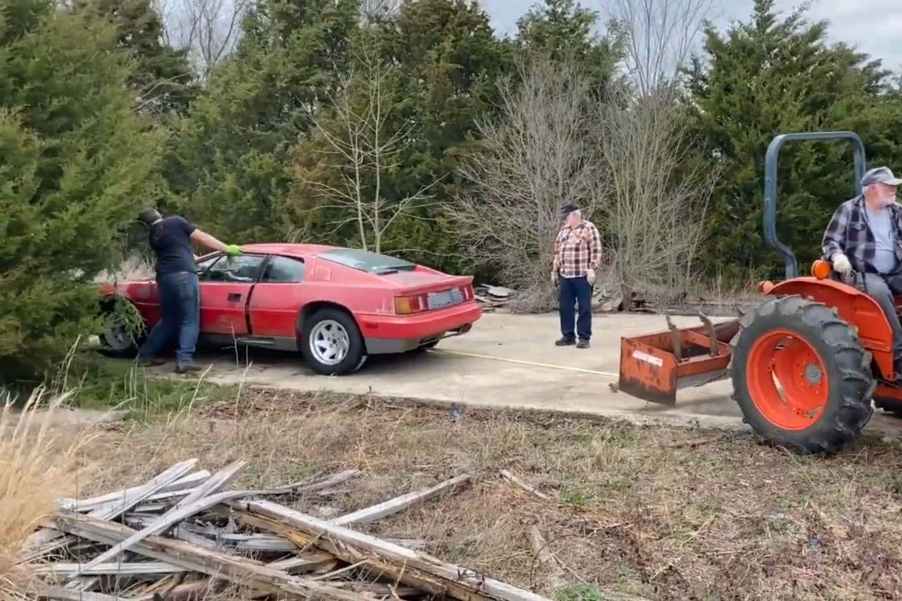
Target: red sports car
(335, 305)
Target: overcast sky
(872, 26)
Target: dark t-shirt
(171, 240)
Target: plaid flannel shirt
(577, 250)
(850, 234)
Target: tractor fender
(854, 307)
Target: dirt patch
(659, 512)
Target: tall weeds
(38, 464)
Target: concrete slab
(509, 361)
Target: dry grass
(37, 464)
(635, 510)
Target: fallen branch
(515, 480)
(399, 504)
(553, 571)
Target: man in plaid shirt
(865, 235)
(577, 251)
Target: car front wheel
(332, 344)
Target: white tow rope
(530, 363)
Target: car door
(225, 290)
(277, 299)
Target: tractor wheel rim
(329, 342)
(787, 380)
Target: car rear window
(367, 261)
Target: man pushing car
(177, 285)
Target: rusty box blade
(653, 367)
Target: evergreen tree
(230, 161)
(75, 164)
(563, 29)
(772, 75)
(162, 78)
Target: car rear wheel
(332, 344)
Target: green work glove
(233, 250)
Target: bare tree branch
(357, 130)
(537, 157)
(208, 29)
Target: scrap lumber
(515, 480)
(116, 508)
(399, 504)
(308, 562)
(46, 541)
(244, 572)
(69, 569)
(64, 594)
(351, 546)
(165, 522)
(91, 503)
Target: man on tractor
(864, 243)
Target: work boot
(565, 342)
(150, 362)
(583, 343)
(186, 368)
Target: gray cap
(149, 216)
(880, 175)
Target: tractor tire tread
(852, 384)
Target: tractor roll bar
(770, 185)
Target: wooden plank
(64, 594)
(461, 583)
(167, 477)
(117, 508)
(512, 478)
(399, 504)
(68, 569)
(157, 502)
(244, 572)
(308, 562)
(167, 521)
(215, 483)
(91, 503)
(316, 484)
(375, 566)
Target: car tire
(331, 343)
(115, 340)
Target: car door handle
(234, 297)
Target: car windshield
(367, 261)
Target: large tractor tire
(801, 377)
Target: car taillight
(469, 294)
(405, 305)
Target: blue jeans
(179, 317)
(576, 292)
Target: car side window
(237, 270)
(282, 270)
(204, 266)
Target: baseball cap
(880, 175)
(568, 208)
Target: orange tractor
(806, 363)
